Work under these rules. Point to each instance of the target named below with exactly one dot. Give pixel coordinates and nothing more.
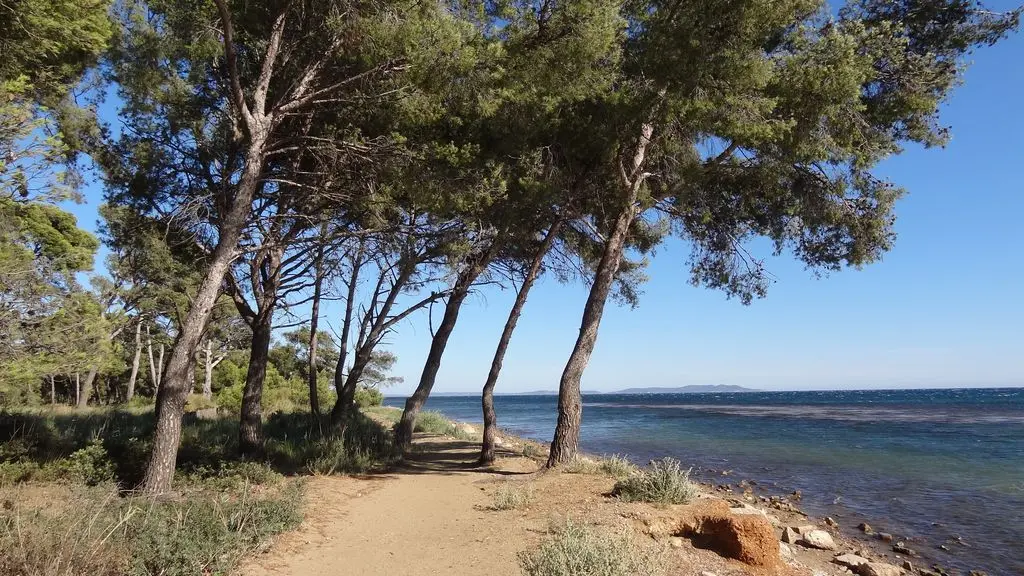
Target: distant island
(692, 389)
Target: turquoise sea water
(936, 467)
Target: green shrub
(663, 482)
(197, 402)
(576, 550)
(367, 396)
(510, 496)
(89, 466)
(431, 422)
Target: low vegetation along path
(427, 517)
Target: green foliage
(431, 422)
(578, 550)
(94, 531)
(367, 397)
(663, 482)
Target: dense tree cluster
(270, 156)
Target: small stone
(879, 569)
(708, 574)
(817, 539)
(908, 565)
(850, 560)
(675, 542)
(901, 548)
(944, 547)
(831, 521)
(885, 537)
(865, 528)
(790, 535)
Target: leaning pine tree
(762, 118)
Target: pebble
(831, 521)
(865, 528)
(908, 565)
(885, 537)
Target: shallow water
(927, 465)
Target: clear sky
(943, 308)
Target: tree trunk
(153, 379)
(78, 386)
(314, 325)
(86, 391)
(160, 368)
(487, 397)
(135, 363)
(403, 434)
(250, 431)
(341, 404)
(173, 391)
(208, 369)
(53, 391)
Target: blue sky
(944, 308)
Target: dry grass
(578, 550)
(511, 496)
(663, 482)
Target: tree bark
(314, 325)
(53, 390)
(250, 431)
(487, 397)
(341, 405)
(208, 371)
(160, 368)
(173, 391)
(403, 434)
(78, 386)
(86, 391)
(130, 393)
(565, 443)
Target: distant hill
(693, 389)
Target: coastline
(842, 549)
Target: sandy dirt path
(428, 517)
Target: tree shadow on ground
(437, 455)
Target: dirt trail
(428, 517)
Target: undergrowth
(577, 550)
(663, 482)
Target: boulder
(817, 539)
(879, 569)
(790, 535)
(831, 521)
(850, 560)
(747, 538)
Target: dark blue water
(927, 465)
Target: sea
(942, 470)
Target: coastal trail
(427, 517)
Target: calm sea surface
(937, 467)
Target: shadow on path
(439, 455)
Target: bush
(89, 466)
(663, 482)
(576, 550)
(509, 496)
(617, 466)
(433, 423)
(367, 396)
(94, 531)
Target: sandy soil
(432, 516)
